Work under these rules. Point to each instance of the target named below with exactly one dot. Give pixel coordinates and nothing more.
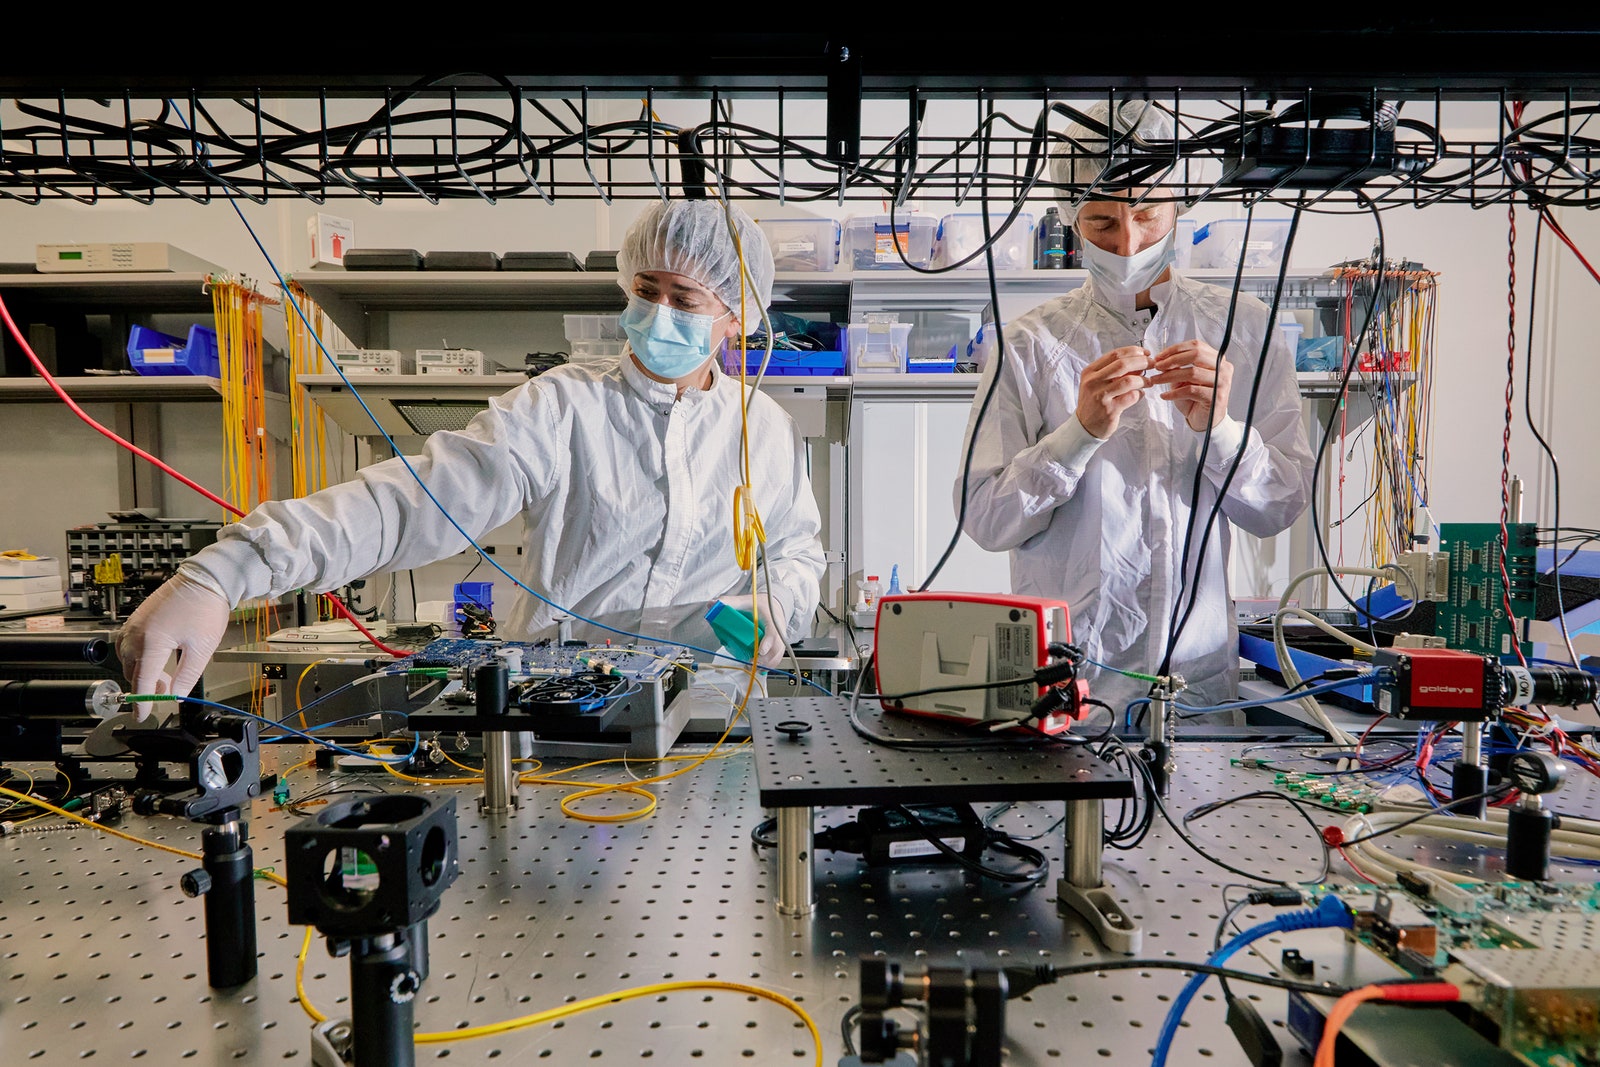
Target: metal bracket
(1114, 927)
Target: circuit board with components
(1525, 955)
(577, 700)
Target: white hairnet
(690, 237)
(1140, 127)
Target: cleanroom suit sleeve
(1273, 483)
(793, 550)
(1016, 479)
(382, 519)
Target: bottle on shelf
(894, 580)
(1050, 242)
(867, 593)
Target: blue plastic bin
(785, 362)
(153, 352)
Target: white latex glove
(773, 617)
(181, 616)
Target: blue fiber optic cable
(1330, 912)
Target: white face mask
(1126, 276)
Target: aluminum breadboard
(808, 753)
(102, 958)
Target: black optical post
(224, 757)
(368, 873)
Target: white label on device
(1015, 656)
(902, 849)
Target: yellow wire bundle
(246, 445)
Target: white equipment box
(451, 361)
(374, 361)
(110, 257)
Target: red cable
(55, 386)
(129, 445)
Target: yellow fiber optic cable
(552, 1014)
(261, 872)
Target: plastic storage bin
(153, 352)
(784, 362)
(959, 235)
(1292, 332)
(877, 347)
(869, 242)
(594, 336)
(1221, 244)
(802, 244)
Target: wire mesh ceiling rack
(796, 118)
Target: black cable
(1555, 467)
(1267, 794)
(1338, 403)
(995, 839)
(1445, 808)
(1154, 797)
(1175, 631)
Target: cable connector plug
(1278, 897)
(1020, 981)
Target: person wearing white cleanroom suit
(623, 472)
(1084, 465)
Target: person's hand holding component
(772, 619)
(1111, 385)
(181, 616)
(1198, 382)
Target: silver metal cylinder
(1156, 724)
(1514, 501)
(1084, 828)
(499, 787)
(796, 892)
(1472, 743)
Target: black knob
(793, 728)
(195, 883)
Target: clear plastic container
(1221, 244)
(960, 234)
(803, 244)
(580, 350)
(869, 242)
(876, 347)
(1183, 243)
(593, 327)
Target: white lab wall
(45, 451)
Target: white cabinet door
(905, 457)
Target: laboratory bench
(102, 956)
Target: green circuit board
(1523, 953)
(1473, 616)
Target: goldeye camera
(373, 864)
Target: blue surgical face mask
(670, 343)
(1127, 276)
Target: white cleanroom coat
(1101, 524)
(626, 494)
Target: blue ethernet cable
(1330, 912)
